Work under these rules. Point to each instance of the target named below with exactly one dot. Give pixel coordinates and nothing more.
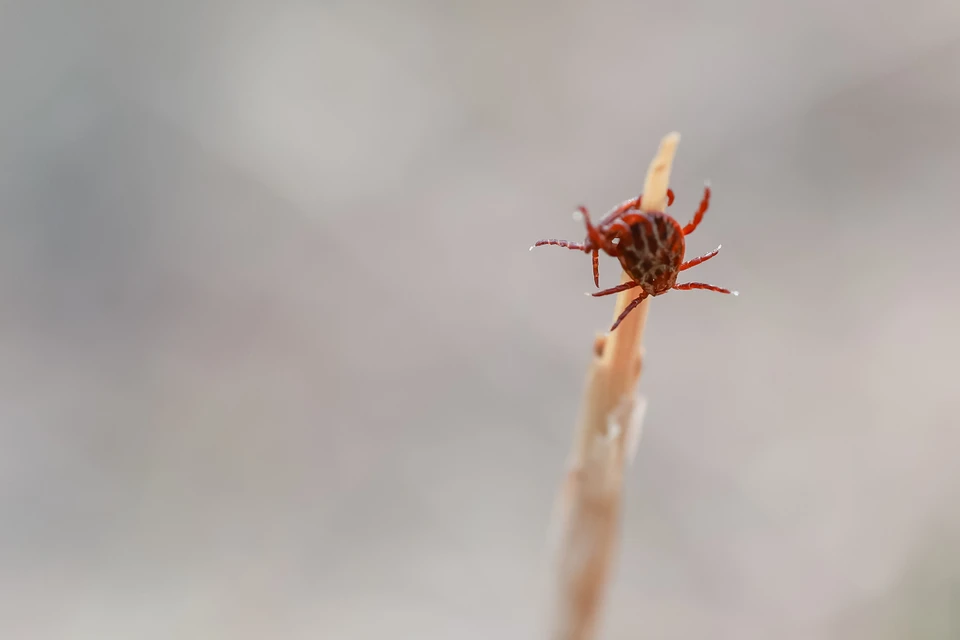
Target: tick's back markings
(638, 240)
(662, 230)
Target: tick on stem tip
(650, 246)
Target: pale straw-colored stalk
(606, 436)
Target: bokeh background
(276, 362)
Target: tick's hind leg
(700, 260)
(630, 307)
(698, 216)
(700, 285)
(596, 267)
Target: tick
(650, 246)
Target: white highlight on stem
(635, 428)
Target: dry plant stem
(609, 421)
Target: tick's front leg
(700, 260)
(576, 246)
(630, 307)
(630, 205)
(617, 289)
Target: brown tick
(650, 246)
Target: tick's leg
(596, 268)
(592, 233)
(630, 307)
(630, 205)
(696, 261)
(699, 285)
(619, 210)
(576, 246)
(617, 289)
(698, 216)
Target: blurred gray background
(276, 362)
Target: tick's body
(650, 246)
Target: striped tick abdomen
(651, 252)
